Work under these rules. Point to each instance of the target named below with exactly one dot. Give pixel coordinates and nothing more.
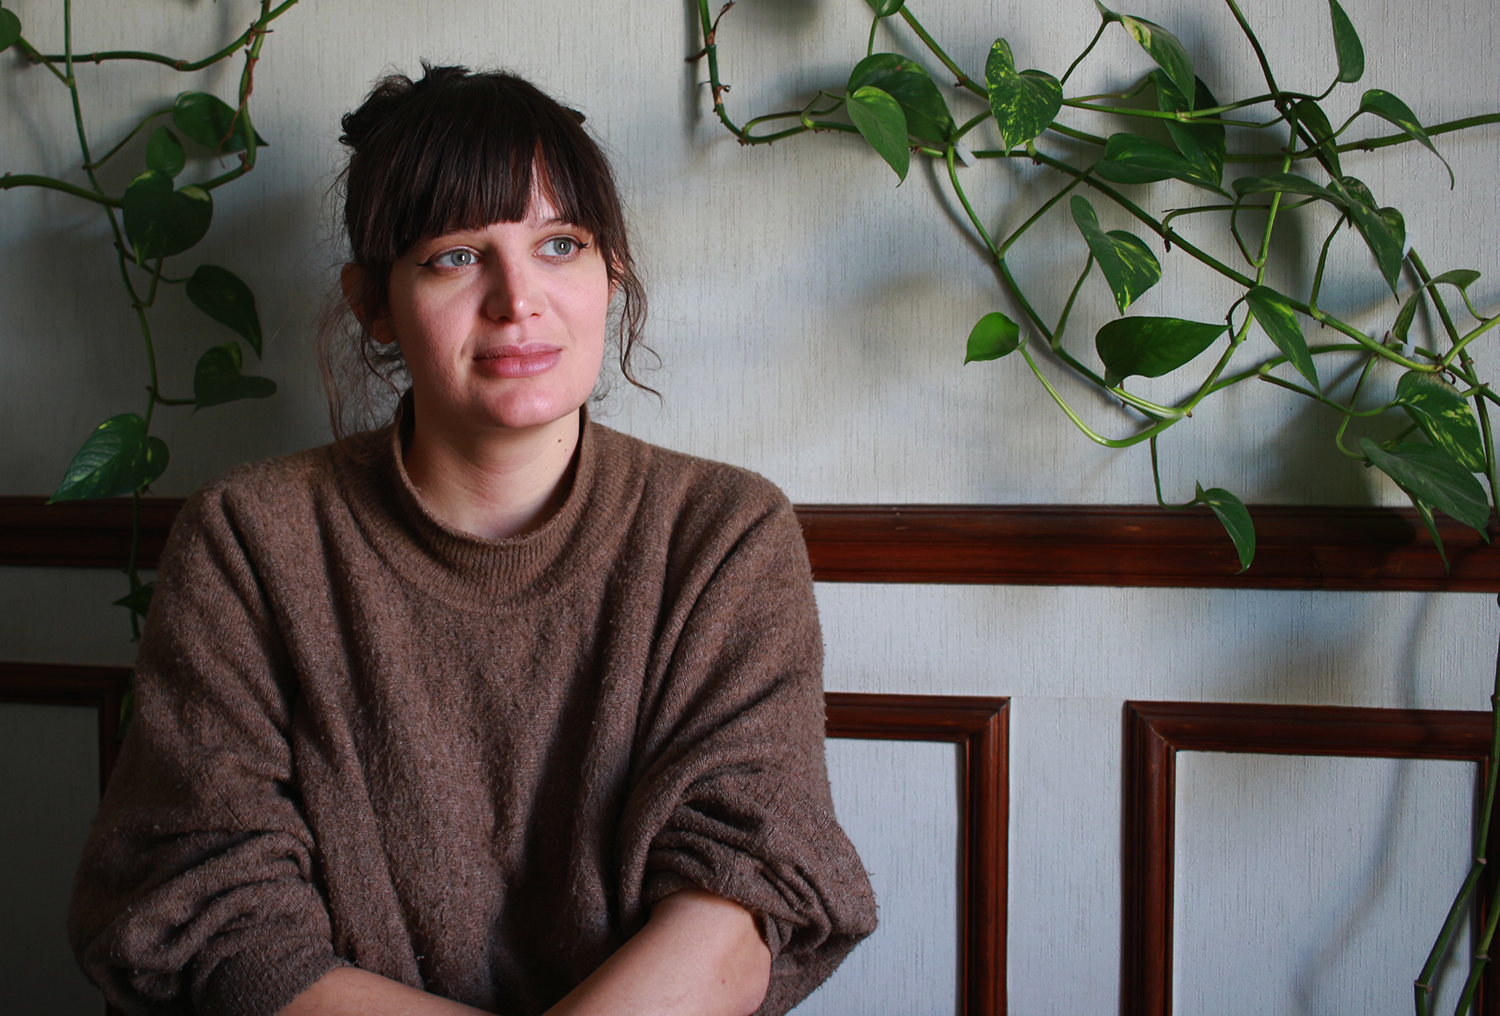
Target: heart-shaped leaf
(164, 152)
(885, 8)
(117, 458)
(1313, 120)
(138, 601)
(1127, 263)
(1130, 158)
(161, 221)
(1234, 517)
(1151, 346)
(218, 379)
(211, 122)
(1166, 50)
(906, 81)
(1444, 416)
(879, 119)
(1427, 472)
(10, 28)
(1355, 190)
(1459, 278)
(1384, 231)
(1346, 44)
(1386, 106)
(221, 295)
(1285, 183)
(1276, 316)
(1023, 103)
(1202, 144)
(992, 337)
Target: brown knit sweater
(471, 766)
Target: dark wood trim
(1156, 731)
(1359, 548)
(979, 726)
(54, 684)
(981, 729)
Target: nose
(513, 291)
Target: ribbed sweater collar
(469, 571)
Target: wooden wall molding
(1359, 548)
(979, 726)
(981, 729)
(1156, 731)
(53, 684)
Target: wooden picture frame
(1156, 731)
(981, 729)
(978, 726)
(55, 684)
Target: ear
(352, 279)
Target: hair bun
(390, 94)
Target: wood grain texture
(980, 727)
(1156, 731)
(1358, 548)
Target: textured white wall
(811, 319)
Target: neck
(497, 484)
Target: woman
(493, 707)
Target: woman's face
(500, 327)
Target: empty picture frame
(1156, 731)
(980, 727)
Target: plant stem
(1086, 51)
(267, 16)
(962, 79)
(10, 180)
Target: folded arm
(699, 955)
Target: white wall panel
(1312, 886)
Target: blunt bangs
(467, 155)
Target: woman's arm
(699, 955)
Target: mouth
(514, 361)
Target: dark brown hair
(459, 150)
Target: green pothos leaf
(1127, 263)
(879, 119)
(1202, 144)
(1024, 102)
(1444, 416)
(885, 8)
(164, 152)
(1459, 278)
(1166, 50)
(1234, 517)
(1346, 44)
(138, 600)
(218, 380)
(1430, 474)
(221, 295)
(1424, 512)
(1151, 346)
(1384, 232)
(1312, 118)
(1130, 158)
(160, 221)
(992, 337)
(1276, 316)
(10, 28)
(1286, 183)
(907, 82)
(1386, 106)
(212, 122)
(117, 458)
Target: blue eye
(458, 257)
(561, 247)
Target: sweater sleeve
(196, 891)
(731, 793)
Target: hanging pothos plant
(155, 220)
(892, 102)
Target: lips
(518, 361)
